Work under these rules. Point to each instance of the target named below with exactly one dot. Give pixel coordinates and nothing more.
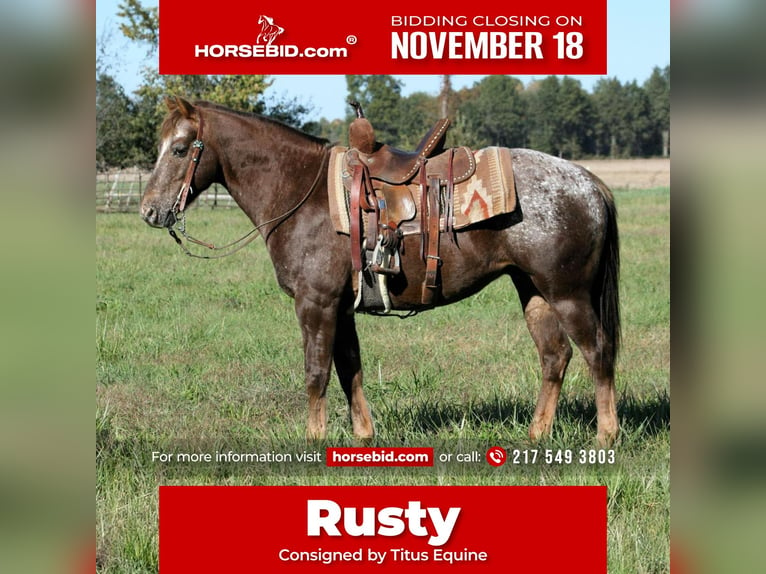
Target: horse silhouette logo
(269, 30)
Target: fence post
(107, 194)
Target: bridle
(197, 147)
(179, 216)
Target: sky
(638, 37)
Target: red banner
(485, 529)
(233, 37)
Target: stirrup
(372, 293)
(385, 258)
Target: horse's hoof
(316, 436)
(607, 439)
(364, 434)
(538, 431)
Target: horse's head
(162, 199)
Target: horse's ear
(180, 104)
(185, 107)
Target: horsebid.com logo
(269, 30)
(264, 46)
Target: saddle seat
(391, 164)
(394, 166)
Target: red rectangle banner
(232, 37)
(373, 456)
(485, 529)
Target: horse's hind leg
(579, 319)
(554, 350)
(348, 365)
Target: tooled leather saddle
(385, 182)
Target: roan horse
(561, 252)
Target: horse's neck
(266, 167)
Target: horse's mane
(173, 116)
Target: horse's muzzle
(155, 217)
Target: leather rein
(183, 194)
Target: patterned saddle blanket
(489, 192)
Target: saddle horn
(361, 135)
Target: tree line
(555, 114)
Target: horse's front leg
(317, 320)
(348, 365)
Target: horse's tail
(605, 293)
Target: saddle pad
(490, 192)
(337, 194)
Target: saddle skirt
(489, 192)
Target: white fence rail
(120, 191)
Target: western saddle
(384, 183)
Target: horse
(561, 252)
(269, 30)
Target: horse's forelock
(169, 123)
(175, 114)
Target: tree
(611, 124)
(335, 130)
(140, 24)
(244, 93)
(639, 133)
(145, 111)
(657, 88)
(499, 111)
(464, 130)
(623, 119)
(575, 115)
(417, 114)
(114, 142)
(543, 121)
(561, 117)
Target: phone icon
(496, 456)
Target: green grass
(204, 355)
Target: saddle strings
(249, 236)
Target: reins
(180, 204)
(247, 238)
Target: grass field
(198, 356)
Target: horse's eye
(179, 151)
